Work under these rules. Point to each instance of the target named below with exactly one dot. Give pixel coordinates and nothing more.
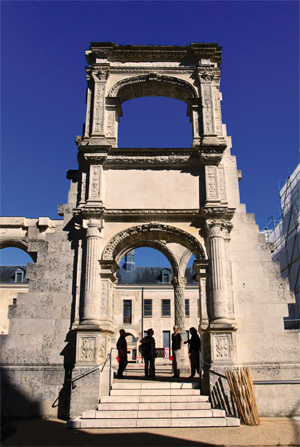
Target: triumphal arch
(181, 201)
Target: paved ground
(271, 432)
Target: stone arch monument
(180, 201)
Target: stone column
(218, 270)
(179, 304)
(91, 304)
(200, 267)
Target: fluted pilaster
(218, 269)
(91, 305)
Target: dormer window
(165, 276)
(19, 275)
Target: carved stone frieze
(114, 157)
(148, 214)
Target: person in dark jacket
(122, 353)
(149, 353)
(194, 348)
(176, 346)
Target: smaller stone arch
(153, 235)
(15, 243)
(183, 262)
(153, 84)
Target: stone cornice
(130, 157)
(192, 53)
(91, 152)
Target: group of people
(148, 350)
(194, 349)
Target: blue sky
(43, 90)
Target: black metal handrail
(86, 373)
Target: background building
(286, 239)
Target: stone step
(125, 406)
(143, 423)
(155, 385)
(163, 399)
(154, 392)
(149, 414)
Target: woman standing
(194, 349)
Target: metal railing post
(110, 362)
(200, 371)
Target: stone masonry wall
(37, 355)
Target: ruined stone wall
(38, 353)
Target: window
(166, 308)
(19, 275)
(187, 308)
(127, 311)
(147, 308)
(166, 339)
(187, 335)
(165, 278)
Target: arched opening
(155, 122)
(14, 256)
(13, 266)
(144, 299)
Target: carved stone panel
(222, 185)
(94, 182)
(217, 112)
(207, 107)
(87, 345)
(212, 190)
(98, 108)
(222, 347)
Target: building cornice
(138, 53)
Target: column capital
(218, 228)
(94, 227)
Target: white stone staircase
(153, 404)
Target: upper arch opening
(155, 122)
